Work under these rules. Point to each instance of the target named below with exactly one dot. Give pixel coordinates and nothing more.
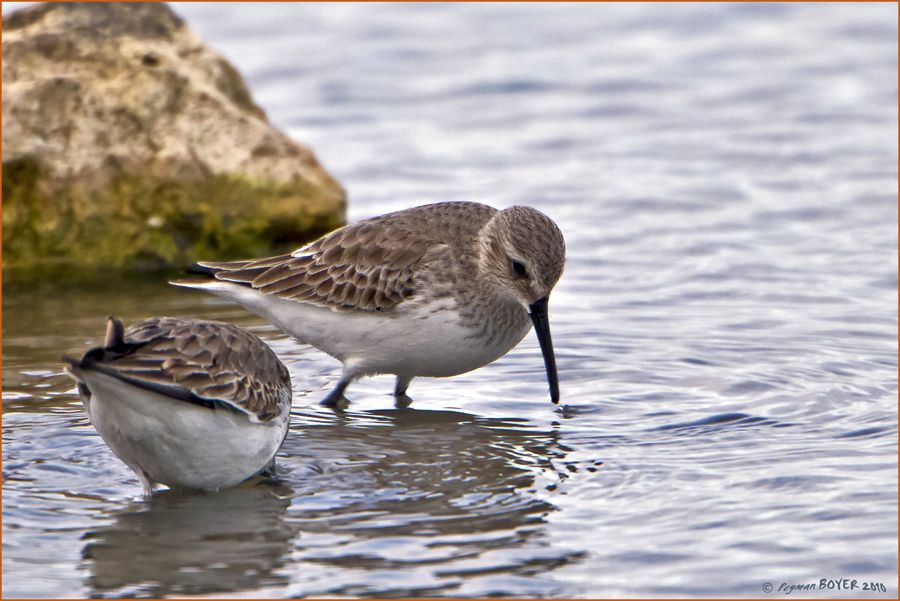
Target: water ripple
(726, 327)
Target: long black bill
(542, 329)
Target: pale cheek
(527, 293)
(538, 291)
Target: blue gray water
(726, 328)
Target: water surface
(726, 328)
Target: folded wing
(209, 363)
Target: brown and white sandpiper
(187, 403)
(435, 291)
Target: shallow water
(726, 329)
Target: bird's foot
(337, 402)
(402, 401)
(336, 399)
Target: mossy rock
(149, 222)
(128, 143)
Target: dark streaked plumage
(205, 362)
(368, 266)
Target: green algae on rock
(128, 143)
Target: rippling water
(726, 329)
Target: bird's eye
(519, 268)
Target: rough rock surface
(126, 141)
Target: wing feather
(212, 363)
(367, 266)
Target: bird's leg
(335, 398)
(401, 399)
(270, 470)
(146, 482)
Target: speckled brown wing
(209, 360)
(368, 266)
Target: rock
(127, 142)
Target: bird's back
(369, 266)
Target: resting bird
(187, 403)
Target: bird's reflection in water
(413, 502)
(394, 502)
(193, 544)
